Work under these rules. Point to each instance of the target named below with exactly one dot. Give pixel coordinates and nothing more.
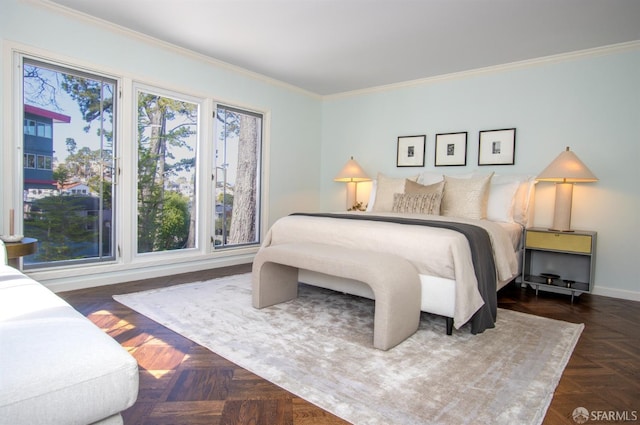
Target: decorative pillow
(466, 198)
(416, 203)
(429, 177)
(385, 188)
(436, 189)
(501, 200)
(412, 187)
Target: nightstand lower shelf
(559, 286)
(560, 262)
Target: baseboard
(616, 293)
(622, 294)
(71, 283)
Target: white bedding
(438, 253)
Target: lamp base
(562, 210)
(352, 194)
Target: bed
(442, 257)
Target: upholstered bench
(394, 281)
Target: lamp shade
(567, 168)
(352, 172)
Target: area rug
(319, 347)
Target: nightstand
(561, 262)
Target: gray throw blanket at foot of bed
(481, 255)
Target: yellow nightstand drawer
(559, 241)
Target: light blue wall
(590, 103)
(295, 123)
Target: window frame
(199, 246)
(53, 64)
(29, 159)
(260, 176)
(126, 264)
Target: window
(29, 160)
(37, 128)
(44, 162)
(238, 170)
(167, 152)
(68, 142)
(30, 127)
(77, 202)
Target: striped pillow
(416, 203)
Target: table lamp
(352, 173)
(565, 170)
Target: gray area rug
(319, 347)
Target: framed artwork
(411, 151)
(451, 149)
(497, 147)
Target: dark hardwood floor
(183, 383)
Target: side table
(15, 250)
(561, 262)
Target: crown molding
(109, 26)
(545, 60)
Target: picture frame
(497, 147)
(451, 149)
(411, 151)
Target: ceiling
(334, 46)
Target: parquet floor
(183, 383)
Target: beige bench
(393, 280)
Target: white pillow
(466, 198)
(501, 200)
(372, 195)
(385, 188)
(522, 196)
(522, 201)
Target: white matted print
(497, 147)
(451, 149)
(411, 151)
